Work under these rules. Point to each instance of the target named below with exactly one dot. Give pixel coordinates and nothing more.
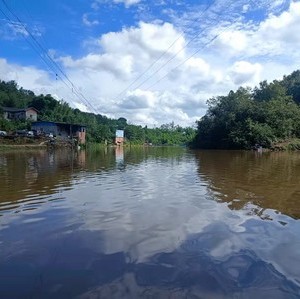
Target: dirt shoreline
(22, 146)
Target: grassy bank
(8, 147)
(287, 145)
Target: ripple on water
(164, 222)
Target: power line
(169, 60)
(183, 62)
(50, 67)
(55, 66)
(29, 16)
(165, 52)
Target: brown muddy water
(149, 223)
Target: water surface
(149, 223)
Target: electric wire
(183, 62)
(188, 58)
(79, 94)
(55, 66)
(164, 53)
(50, 67)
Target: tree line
(100, 129)
(265, 115)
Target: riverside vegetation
(100, 129)
(268, 115)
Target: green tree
(245, 118)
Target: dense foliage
(264, 115)
(100, 129)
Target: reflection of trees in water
(136, 155)
(107, 158)
(121, 157)
(268, 180)
(61, 259)
(78, 269)
(32, 174)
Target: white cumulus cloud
(136, 73)
(127, 3)
(243, 72)
(96, 4)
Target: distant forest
(100, 129)
(264, 116)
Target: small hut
(119, 140)
(62, 131)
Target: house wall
(31, 114)
(61, 131)
(81, 135)
(15, 115)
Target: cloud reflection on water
(161, 225)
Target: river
(149, 223)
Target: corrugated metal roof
(57, 123)
(12, 109)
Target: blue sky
(149, 61)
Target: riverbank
(21, 142)
(283, 145)
(5, 147)
(30, 143)
(288, 145)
